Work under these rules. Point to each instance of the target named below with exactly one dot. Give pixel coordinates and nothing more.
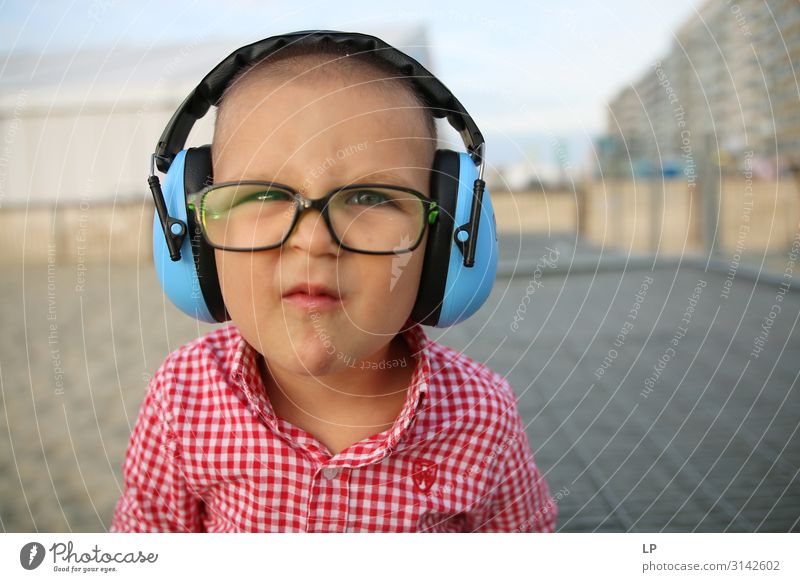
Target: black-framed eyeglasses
(252, 215)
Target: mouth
(312, 296)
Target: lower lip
(307, 301)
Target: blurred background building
(728, 75)
(710, 131)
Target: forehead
(323, 131)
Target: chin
(307, 354)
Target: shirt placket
(328, 500)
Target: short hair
(286, 63)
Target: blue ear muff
(450, 292)
(178, 278)
(467, 288)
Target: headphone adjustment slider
(466, 235)
(174, 229)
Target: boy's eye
(263, 196)
(370, 198)
(220, 202)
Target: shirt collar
(245, 376)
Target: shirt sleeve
(155, 497)
(521, 500)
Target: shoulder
(213, 350)
(462, 387)
(197, 367)
(457, 370)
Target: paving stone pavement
(683, 430)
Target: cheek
(388, 284)
(244, 280)
(406, 272)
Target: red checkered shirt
(208, 453)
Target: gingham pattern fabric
(207, 453)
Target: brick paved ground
(713, 446)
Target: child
(323, 407)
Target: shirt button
(330, 472)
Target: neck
(364, 390)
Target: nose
(311, 234)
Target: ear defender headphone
(460, 261)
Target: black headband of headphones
(442, 103)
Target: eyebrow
(390, 179)
(379, 177)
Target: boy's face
(315, 137)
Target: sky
(529, 72)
